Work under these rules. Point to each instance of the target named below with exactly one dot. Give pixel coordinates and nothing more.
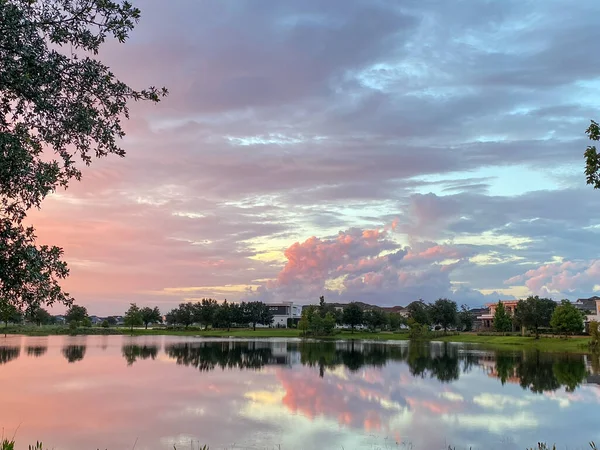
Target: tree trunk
(146, 326)
(254, 326)
(352, 327)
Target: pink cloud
(371, 267)
(560, 278)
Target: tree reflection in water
(206, 356)
(36, 350)
(133, 352)
(74, 353)
(534, 371)
(8, 353)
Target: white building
(284, 311)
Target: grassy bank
(56, 330)
(576, 344)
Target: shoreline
(574, 344)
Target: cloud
(296, 119)
(561, 279)
(370, 266)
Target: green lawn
(576, 344)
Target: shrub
(417, 331)
(594, 334)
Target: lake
(118, 392)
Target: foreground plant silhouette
(10, 445)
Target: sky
(376, 151)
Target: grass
(576, 344)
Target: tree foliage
(353, 315)
(594, 331)
(150, 315)
(317, 320)
(258, 313)
(205, 310)
(444, 313)
(567, 318)
(223, 316)
(592, 159)
(420, 312)
(502, 321)
(9, 313)
(465, 318)
(59, 107)
(396, 321)
(76, 315)
(133, 316)
(39, 316)
(534, 312)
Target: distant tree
(77, 315)
(322, 305)
(420, 312)
(9, 313)
(40, 316)
(238, 314)
(567, 318)
(502, 321)
(182, 315)
(395, 320)
(353, 315)
(258, 313)
(444, 313)
(465, 318)
(223, 316)
(303, 323)
(112, 321)
(376, 319)
(171, 318)
(133, 317)
(205, 311)
(328, 324)
(534, 312)
(315, 324)
(150, 315)
(594, 331)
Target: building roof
(505, 302)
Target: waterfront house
(486, 320)
(283, 311)
(595, 313)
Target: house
(586, 305)
(487, 319)
(475, 314)
(96, 320)
(595, 312)
(284, 311)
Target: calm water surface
(107, 391)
